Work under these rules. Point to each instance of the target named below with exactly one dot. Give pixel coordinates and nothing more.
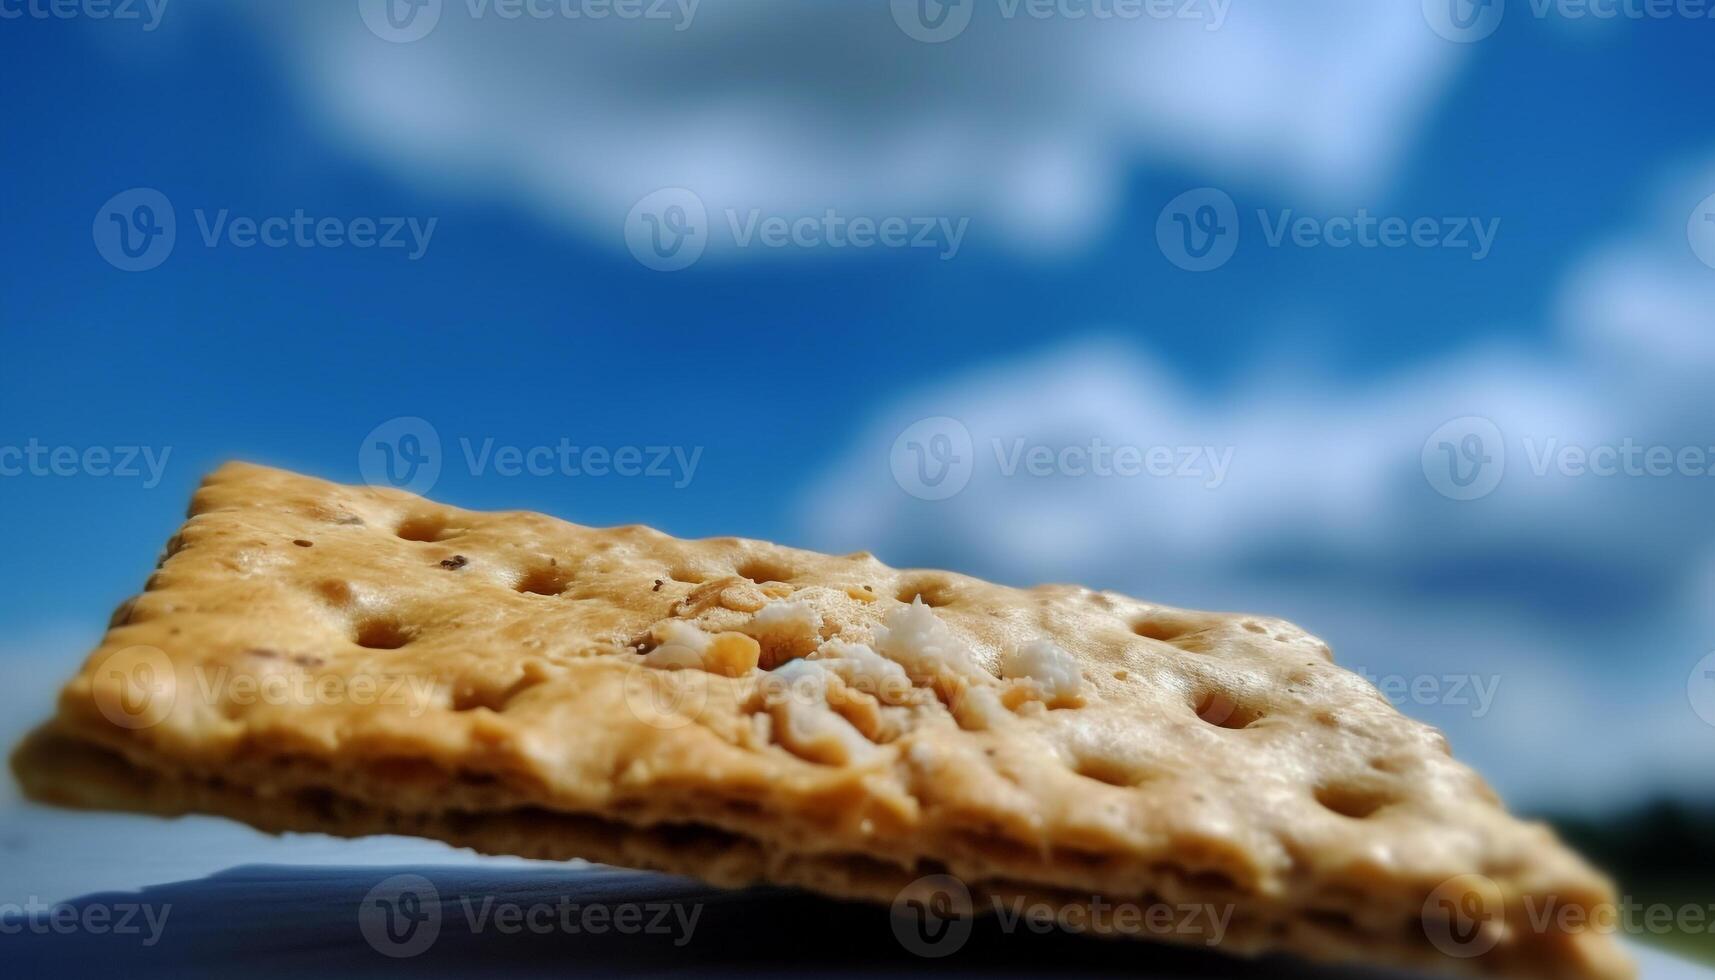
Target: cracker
(357, 660)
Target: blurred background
(1395, 319)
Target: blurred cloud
(1336, 511)
(1027, 125)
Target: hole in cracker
(424, 527)
(335, 591)
(544, 580)
(1164, 626)
(1224, 711)
(382, 634)
(761, 570)
(1110, 771)
(685, 575)
(934, 592)
(1358, 803)
(303, 543)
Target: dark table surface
(261, 921)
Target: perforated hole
(1224, 711)
(544, 580)
(761, 570)
(1164, 626)
(1110, 772)
(1356, 802)
(934, 592)
(382, 633)
(335, 591)
(424, 527)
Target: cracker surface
(355, 660)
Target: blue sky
(527, 322)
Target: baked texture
(357, 660)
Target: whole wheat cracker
(358, 660)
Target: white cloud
(1328, 515)
(1028, 126)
